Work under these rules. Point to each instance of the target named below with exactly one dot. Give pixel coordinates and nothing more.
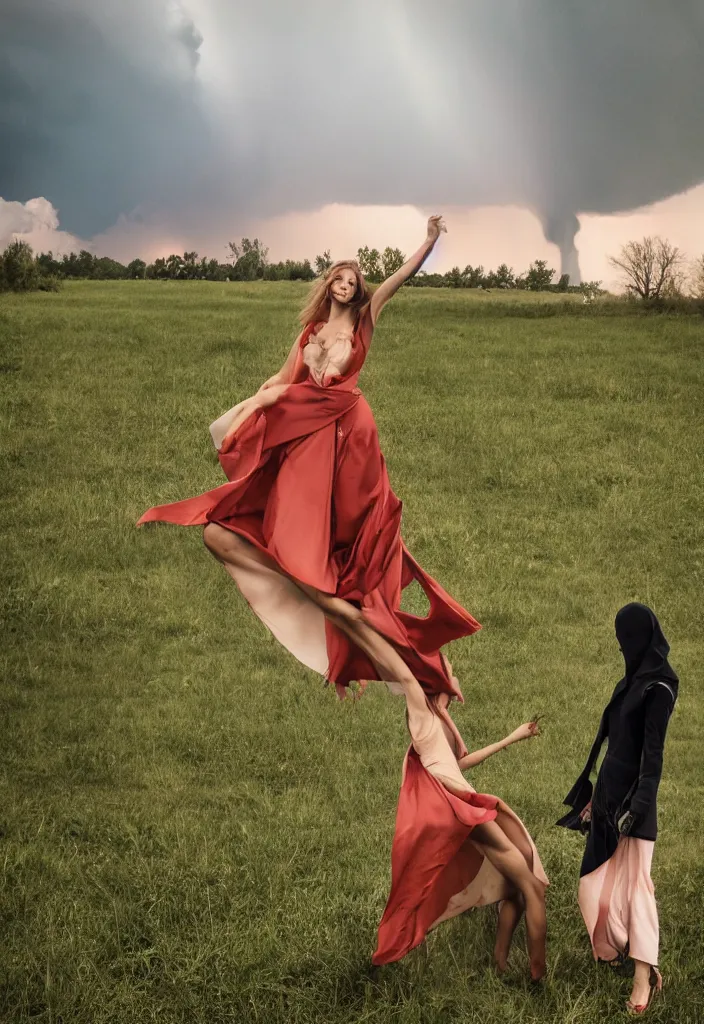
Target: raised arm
(392, 283)
(285, 374)
(523, 732)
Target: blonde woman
(308, 525)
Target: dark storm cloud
(99, 107)
(614, 101)
(561, 106)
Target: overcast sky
(151, 124)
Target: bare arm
(392, 283)
(285, 374)
(523, 732)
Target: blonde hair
(319, 302)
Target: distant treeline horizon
(248, 261)
(650, 269)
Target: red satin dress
(308, 486)
(437, 872)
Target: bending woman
(616, 894)
(454, 848)
(308, 526)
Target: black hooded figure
(616, 894)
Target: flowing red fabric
(431, 858)
(307, 484)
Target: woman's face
(343, 286)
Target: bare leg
(511, 909)
(510, 827)
(640, 993)
(350, 620)
(507, 859)
(510, 913)
(231, 549)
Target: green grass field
(194, 829)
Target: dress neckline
(318, 325)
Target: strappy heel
(622, 964)
(638, 1009)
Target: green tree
(291, 270)
(85, 263)
(219, 271)
(249, 259)
(174, 266)
(106, 269)
(77, 264)
(474, 276)
(370, 263)
(504, 276)
(322, 263)
(21, 272)
(47, 263)
(455, 278)
(590, 290)
(157, 270)
(190, 267)
(69, 264)
(539, 276)
(391, 261)
(137, 268)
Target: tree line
(248, 261)
(650, 270)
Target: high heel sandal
(620, 964)
(637, 1009)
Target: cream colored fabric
(220, 426)
(618, 903)
(296, 621)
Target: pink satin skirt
(618, 904)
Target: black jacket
(634, 722)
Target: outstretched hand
(525, 731)
(435, 225)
